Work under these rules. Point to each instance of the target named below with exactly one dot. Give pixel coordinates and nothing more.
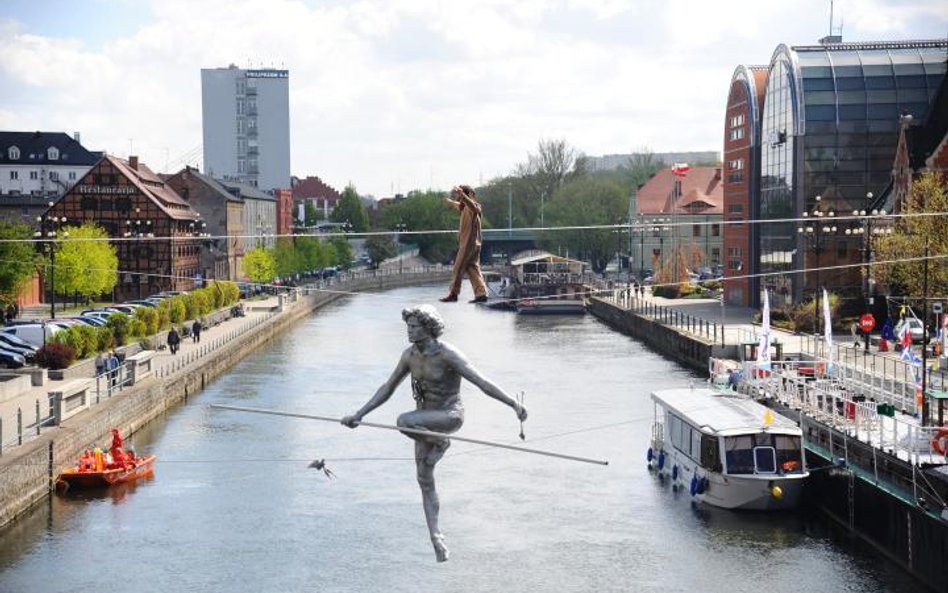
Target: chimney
(717, 173)
(133, 162)
(75, 136)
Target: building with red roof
(679, 213)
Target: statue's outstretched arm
(464, 368)
(382, 393)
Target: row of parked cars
(20, 340)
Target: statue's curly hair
(428, 316)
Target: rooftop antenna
(833, 37)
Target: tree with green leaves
(350, 209)
(17, 259)
(424, 211)
(342, 252)
(286, 258)
(582, 202)
(313, 253)
(259, 265)
(312, 214)
(86, 263)
(914, 231)
(380, 248)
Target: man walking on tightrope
(469, 245)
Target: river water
(233, 506)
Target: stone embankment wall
(27, 473)
(691, 351)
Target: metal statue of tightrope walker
(436, 370)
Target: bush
(118, 322)
(105, 340)
(146, 344)
(136, 327)
(82, 339)
(176, 309)
(149, 318)
(164, 317)
(56, 356)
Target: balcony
(251, 90)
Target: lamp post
(658, 230)
(867, 231)
(50, 230)
(401, 227)
(138, 228)
(815, 232)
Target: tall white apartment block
(246, 122)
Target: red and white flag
(680, 169)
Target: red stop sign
(867, 322)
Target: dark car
(11, 359)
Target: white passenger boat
(727, 451)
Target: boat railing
(843, 406)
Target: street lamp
(658, 230)
(138, 228)
(815, 232)
(867, 231)
(401, 227)
(50, 230)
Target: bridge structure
(500, 245)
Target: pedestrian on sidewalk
(174, 339)
(196, 331)
(99, 364)
(112, 364)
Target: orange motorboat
(96, 470)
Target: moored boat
(140, 467)
(730, 452)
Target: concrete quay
(28, 470)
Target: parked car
(11, 359)
(103, 315)
(126, 308)
(141, 303)
(93, 321)
(32, 332)
(18, 346)
(915, 329)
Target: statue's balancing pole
(428, 433)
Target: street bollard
(37, 417)
(19, 426)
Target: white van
(31, 332)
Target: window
(52, 153)
(240, 106)
(241, 126)
(736, 133)
(735, 252)
(72, 176)
(34, 175)
(14, 175)
(736, 209)
(696, 230)
(736, 164)
(13, 153)
(715, 230)
(53, 176)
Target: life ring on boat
(820, 368)
(661, 460)
(789, 466)
(649, 455)
(940, 441)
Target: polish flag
(680, 169)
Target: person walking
(196, 331)
(174, 339)
(99, 364)
(468, 259)
(112, 364)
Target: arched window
(52, 153)
(14, 153)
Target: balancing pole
(418, 431)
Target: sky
(397, 95)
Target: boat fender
(675, 472)
(661, 460)
(694, 485)
(940, 441)
(649, 455)
(702, 485)
(777, 492)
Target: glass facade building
(829, 128)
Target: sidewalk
(163, 364)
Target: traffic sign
(867, 322)
(936, 308)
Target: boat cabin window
(710, 453)
(685, 437)
(762, 453)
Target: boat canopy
(722, 415)
(541, 267)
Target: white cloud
(412, 93)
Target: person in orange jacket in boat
(120, 457)
(86, 461)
